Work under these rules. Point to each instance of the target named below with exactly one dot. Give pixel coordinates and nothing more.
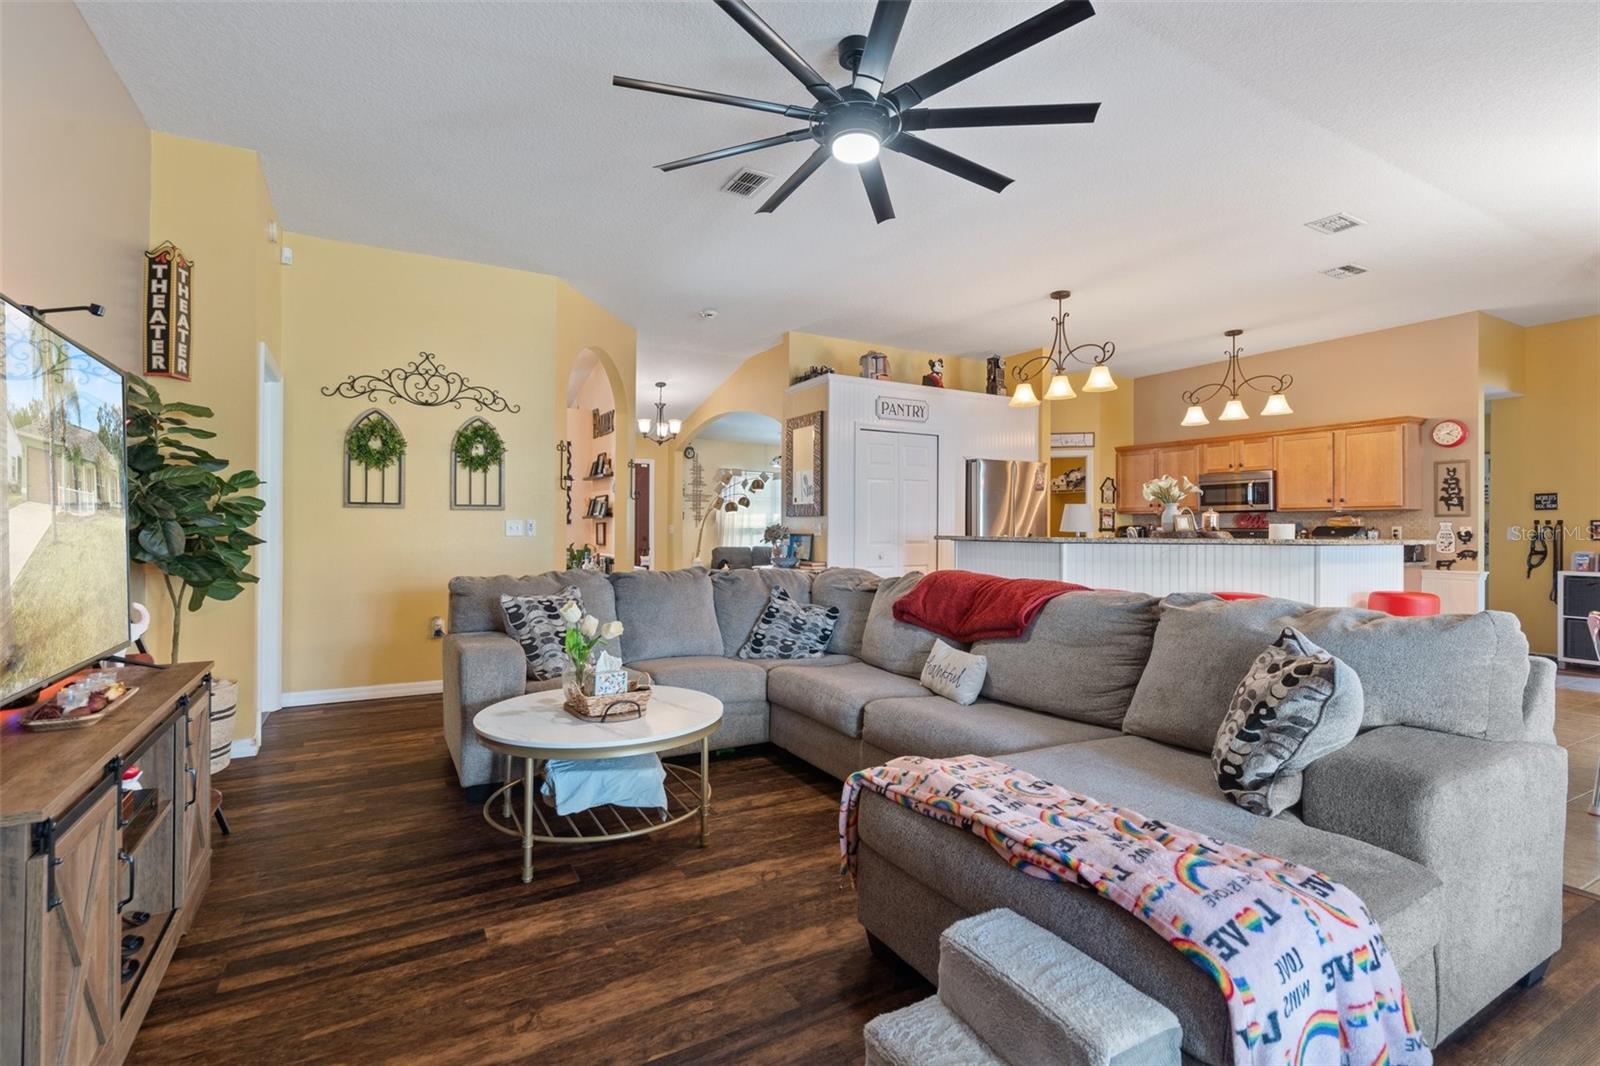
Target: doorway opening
(591, 433)
(1072, 512)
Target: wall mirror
(802, 466)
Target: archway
(592, 511)
(734, 444)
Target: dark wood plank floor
(363, 912)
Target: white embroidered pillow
(954, 674)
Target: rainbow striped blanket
(1300, 961)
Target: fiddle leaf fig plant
(185, 518)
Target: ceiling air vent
(1335, 223)
(745, 182)
(1348, 270)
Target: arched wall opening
(743, 444)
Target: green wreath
(375, 443)
(479, 446)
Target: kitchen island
(1326, 573)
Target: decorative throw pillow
(788, 629)
(954, 674)
(1296, 704)
(535, 622)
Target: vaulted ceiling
(1464, 134)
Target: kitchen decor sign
(894, 409)
(168, 285)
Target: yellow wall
(1544, 440)
(211, 201)
(74, 178)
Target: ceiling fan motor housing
(857, 112)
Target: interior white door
(897, 501)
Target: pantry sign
(168, 336)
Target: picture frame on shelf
(802, 546)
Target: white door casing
(269, 556)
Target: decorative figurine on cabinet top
(935, 375)
(995, 376)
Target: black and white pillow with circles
(535, 622)
(788, 629)
(1296, 704)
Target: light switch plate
(533, 527)
(514, 527)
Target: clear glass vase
(577, 681)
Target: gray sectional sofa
(1446, 814)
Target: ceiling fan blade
(793, 181)
(768, 38)
(738, 149)
(948, 161)
(787, 110)
(942, 118)
(1000, 47)
(873, 66)
(877, 190)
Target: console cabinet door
(194, 794)
(1305, 471)
(1373, 464)
(75, 983)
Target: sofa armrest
(1487, 817)
(1539, 701)
(479, 669)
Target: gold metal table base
(688, 796)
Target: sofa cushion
(898, 647)
(729, 680)
(1160, 782)
(835, 696)
(741, 595)
(937, 727)
(1295, 704)
(852, 591)
(475, 601)
(1461, 674)
(667, 613)
(537, 625)
(1081, 658)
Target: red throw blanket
(965, 606)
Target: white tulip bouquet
(1166, 489)
(584, 633)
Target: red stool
(1239, 595)
(1406, 604)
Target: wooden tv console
(73, 869)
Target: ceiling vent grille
(745, 182)
(1335, 223)
(1348, 270)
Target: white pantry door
(897, 501)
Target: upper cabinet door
(1133, 470)
(1375, 467)
(1180, 463)
(1219, 456)
(1255, 453)
(1305, 471)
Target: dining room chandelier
(1056, 359)
(1233, 383)
(660, 429)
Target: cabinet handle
(132, 870)
(194, 786)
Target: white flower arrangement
(1166, 489)
(584, 631)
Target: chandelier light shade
(1056, 359)
(1232, 385)
(660, 429)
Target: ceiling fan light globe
(854, 147)
(1100, 379)
(1195, 416)
(1023, 396)
(1058, 389)
(1277, 404)
(1233, 411)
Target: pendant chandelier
(1061, 351)
(660, 429)
(1233, 383)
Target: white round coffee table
(536, 727)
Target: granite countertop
(1311, 542)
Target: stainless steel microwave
(1241, 490)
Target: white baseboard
(244, 749)
(311, 697)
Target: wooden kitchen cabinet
(1179, 462)
(1305, 471)
(1134, 468)
(1377, 467)
(1229, 456)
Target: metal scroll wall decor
(564, 475)
(425, 383)
(374, 462)
(477, 467)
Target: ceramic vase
(1169, 517)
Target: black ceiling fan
(852, 122)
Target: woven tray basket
(594, 708)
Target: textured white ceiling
(1466, 134)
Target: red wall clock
(1449, 433)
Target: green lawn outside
(70, 600)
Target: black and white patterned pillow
(535, 622)
(790, 630)
(1296, 704)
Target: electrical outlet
(514, 527)
(436, 627)
(533, 527)
(1394, 533)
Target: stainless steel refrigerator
(1006, 498)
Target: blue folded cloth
(575, 785)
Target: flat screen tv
(63, 539)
